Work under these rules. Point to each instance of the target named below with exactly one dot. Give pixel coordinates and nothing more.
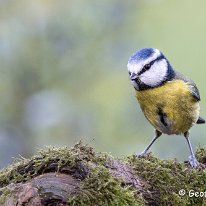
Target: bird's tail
(200, 121)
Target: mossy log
(79, 176)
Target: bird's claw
(142, 154)
(193, 161)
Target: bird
(168, 99)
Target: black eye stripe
(147, 66)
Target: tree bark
(49, 188)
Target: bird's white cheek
(156, 74)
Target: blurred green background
(64, 76)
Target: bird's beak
(133, 76)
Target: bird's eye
(147, 66)
(129, 73)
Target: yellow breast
(170, 108)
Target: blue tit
(168, 99)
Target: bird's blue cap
(142, 54)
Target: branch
(79, 176)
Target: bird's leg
(157, 134)
(192, 159)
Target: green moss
(49, 160)
(201, 155)
(161, 180)
(4, 194)
(100, 188)
(97, 185)
(166, 178)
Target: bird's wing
(193, 88)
